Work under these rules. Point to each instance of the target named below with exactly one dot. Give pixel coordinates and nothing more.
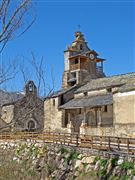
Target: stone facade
(25, 114)
(99, 105)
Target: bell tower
(30, 88)
(80, 63)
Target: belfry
(81, 63)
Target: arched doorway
(31, 125)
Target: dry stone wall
(32, 160)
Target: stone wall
(7, 113)
(30, 108)
(53, 116)
(64, 80)
(33, 160)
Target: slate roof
(86, 101)
(62, 91)
(121, 81)
(128, 86)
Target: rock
(67, 155)
(97, 166)
(70, 162)
(133, 178)
(116, 171)
(120, 161)
(15, 158)
(81, 167)
(80, 156)
(58, 159)
(109, 167)
(77, 163)
(89, 167)
(42, 162)
(51, 153)
(88, 160)
(129, 171)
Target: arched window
(31, 125)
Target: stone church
(89, 102)
(24, 112)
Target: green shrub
(114, 178)
(114, 161)
(103, 162)
(97, 158)
(102, 173)
(127, 165)
(133, 172)
(124, 177)
(62, 150)
(32, 173)
(73, 155)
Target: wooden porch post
(84, 118)
(96, 117)
(69, 117)
(99, 117)
(69, 121)
(79, 63)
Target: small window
(85, 93)
(79, 111)
(73, 74)
(76, 61)
(105, 108)
(61, 100)
(81, 47)
(109, 90)
(53, 102)
(73, 83)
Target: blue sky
(108, 27)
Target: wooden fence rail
(105, 143)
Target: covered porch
(87, 112)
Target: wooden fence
(104, 143)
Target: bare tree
(7, 71)
(14, 20)
(37, 72)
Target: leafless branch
(7, 72)
(13, 15)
